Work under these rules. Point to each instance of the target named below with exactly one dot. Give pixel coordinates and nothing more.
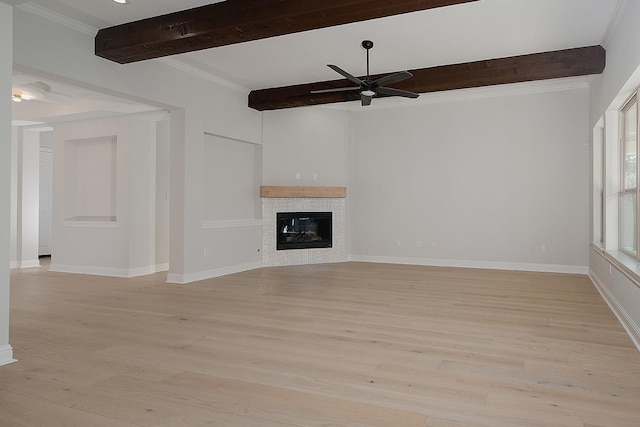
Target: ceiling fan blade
(345, 74)
(396, 92)
(336, 89)
(393, 78)
(366, 100)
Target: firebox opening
(303, 230)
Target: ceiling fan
(369, 88)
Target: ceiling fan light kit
(369, 88)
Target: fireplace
(311, 200)
(303, 230)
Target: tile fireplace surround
(303, 199)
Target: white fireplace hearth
(303, 199)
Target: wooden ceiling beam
(516, 69)
(237, 21)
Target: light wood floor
(321, 345)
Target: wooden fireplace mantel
(300, 192)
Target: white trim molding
(468, 94)
(161, 267)
(89, 224)
(631, 327)
(106, 271)
(491, 265)
(6, 355)
(182, 279)
(58, 18)
(195, 71)
(32, 263)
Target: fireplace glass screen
(301, 230)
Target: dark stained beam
(237, 21)
(516, 69)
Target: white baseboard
(210, 274)
(13, 264)
(6, 355)
(434, 262)
(32, 263)
(632, 328)
(105, 271)
(162, 267)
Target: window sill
(622, 262)
(597, 246)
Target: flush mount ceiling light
(19, 96)
(35, 91)
(121, 1)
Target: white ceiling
(467, 32)
(57, 102)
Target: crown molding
(618, 13)
(90, 31)
(58, 18)
(203, 74)
(461, 95)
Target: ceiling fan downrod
(367, 44)
(367, 90)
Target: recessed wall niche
(90, 179)
(232, 174)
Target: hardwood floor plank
(17, 409)
(290, 407)
(349, 344)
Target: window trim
(633, 99)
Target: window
(628, 196)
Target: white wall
(113, 237)
(500, 182)
(230, 232)
(45, 190)
(232, 179)
(163, 139)
(141, 195)
(25, 191)
(216, 109)
(305, 141)
(13, 238)
(6, 52)
(28, 200)
(621, 76)
(308, 147)
(621, 73)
